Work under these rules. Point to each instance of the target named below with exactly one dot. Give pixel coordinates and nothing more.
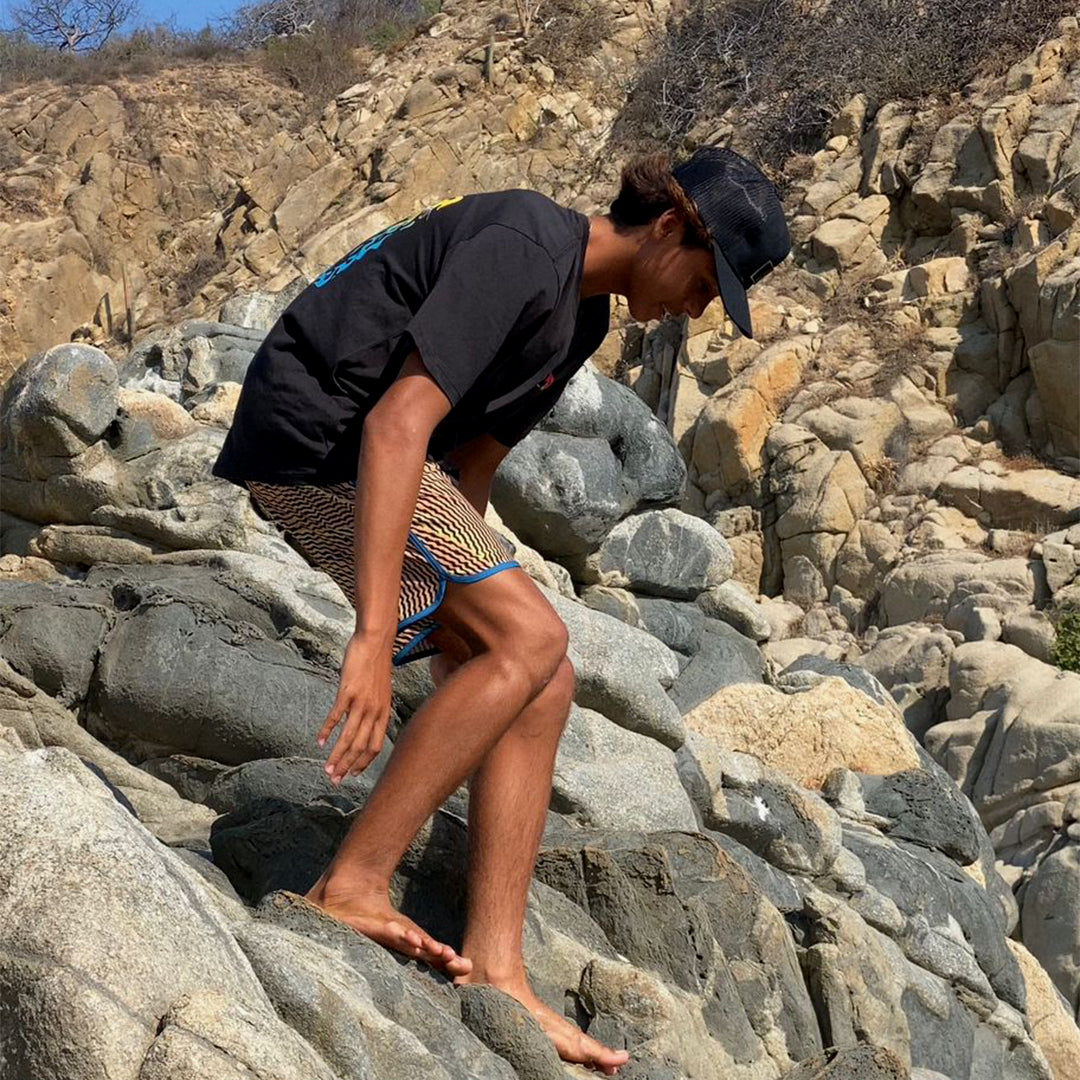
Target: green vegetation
(1067, 641)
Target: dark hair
(648, 189)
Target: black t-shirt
(486, 287)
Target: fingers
(358, 744)
(332, 720)
(364, 749)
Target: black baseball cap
(741, 209)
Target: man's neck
(607, 259)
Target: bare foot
(370, 913)
(570, 1041)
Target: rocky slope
(812, 600)
(170, 193)
(790, 886)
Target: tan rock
(748, 552)
(1054, 1029)
(307, 201)
(1056, 367)
(837, 241)
(850, 119)
(28, 568)
(1022, 499)
(729, 439)
(807, 735)
(48, 307)
(938, 276)
(522, 118)
(218, 409)
(167, 418)
(264, 252)
(871, 428)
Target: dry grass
(882, 475)
(567, 32)
(1013, 460)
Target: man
(425, 355)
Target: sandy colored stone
(729, 439)
(219, 408)
(167, 418)
(1054, 1030)
(27, 568)
(807, 735)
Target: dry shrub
(566, 33)
(1013, 460)
(897, 350)
(204, 266)
(318, 64)
(791, 64)
(143, 52)
(882, 475)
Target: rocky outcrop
(765, 894)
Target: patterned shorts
(448, 542)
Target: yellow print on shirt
(376, 241)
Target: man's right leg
(517, 643)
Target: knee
(563, 684)
(538, 652)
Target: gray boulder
(86, 890)
(599, 455)
(622, 672)
(594, 762)
(731, 603)
(40, 721)
(790, 827)
(717, 654)
(51, 634)
(823, 668)
(1050, 919)
(679, 906)
(188, 358)
(191, 664)
(662, 553)
(559, 493)
(55, 406)
(509, 1029)
(260, 310)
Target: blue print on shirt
(375, 242)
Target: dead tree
(72, 25)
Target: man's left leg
(508, 801)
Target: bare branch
(72, 25)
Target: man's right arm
(393, 449)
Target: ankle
(336, 885)
(497, 972)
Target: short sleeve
(489, 286)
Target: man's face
(669, 278)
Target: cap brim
(732, 293)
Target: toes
(458, 965)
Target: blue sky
(187, 14)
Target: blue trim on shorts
(459, 579)
(403, 656)
(444, 577)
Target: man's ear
(666, 223)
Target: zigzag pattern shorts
(448, 542)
